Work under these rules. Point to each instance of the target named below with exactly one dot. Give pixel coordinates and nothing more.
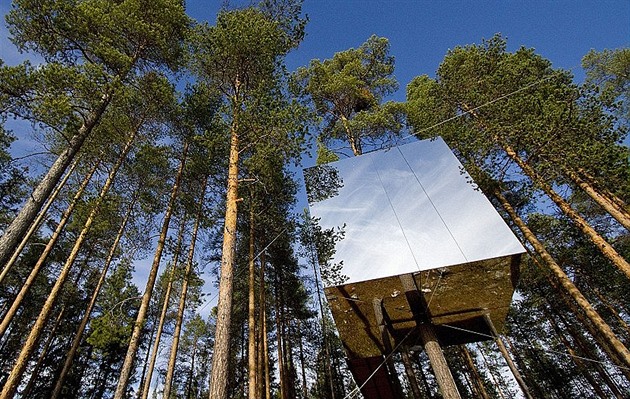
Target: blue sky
(421, 32)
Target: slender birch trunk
(220, 357)
(37, 222)
(13, 381)
(88, 312)
(134, 342)
(182, 300)
(148, 377)
(603, 329)
(19, 226)
(30, 280)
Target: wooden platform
(453, 299)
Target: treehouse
(421, 255)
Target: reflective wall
(406, 209)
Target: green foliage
(609, 72)
(118, 35)
(111, 330)
(347, 92)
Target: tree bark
(355, 142)
(37, 222)
(604, 329)
(606, 249)
(438, 362)
(13, 381)
(182, 301)
(19, 226)
(263, 311)
(219, 377)
(411, 374)
(508, 359)
(251, 353)
(477, 381)
(618, 212)
(88, 312)
(40, 360)
(146, 385)
(279, 344)
(574, 356)
(134, 343)
(6, 320)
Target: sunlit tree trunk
(44, 352)
(606, 249)
(37, 222)
(146, 384)
(134, 343)
(251, 353)
(182, 301)
(24, 219)
(88, 312)
(44, 255)
(604, 330)
(220, 361)
(20, 366)
(477, 381)
(263, 323)
(609, 205)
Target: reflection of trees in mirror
(323, 241)
(322, 182)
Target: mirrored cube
(413, 233)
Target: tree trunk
(146, 359)
(88, 312)
(619, 213)
(574, 356)
(182, 300)
(251, 309)
(19, 226)
(411, 374)
(355, 142)
(492, 376)
(20, 366)
(603, 344)
(517, 375)
(146, 385)
(438, 363)
(37, 222)
(606, 249)
(263, 311)
(606, 332)
(42, 257)
(220, 361)
(280, 346)
(134, 343)
(477, 381)
(40, 360)
(302, 362)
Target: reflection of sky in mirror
(410, 208)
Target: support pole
(438, 362)
(387, 346)
(508, 359)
